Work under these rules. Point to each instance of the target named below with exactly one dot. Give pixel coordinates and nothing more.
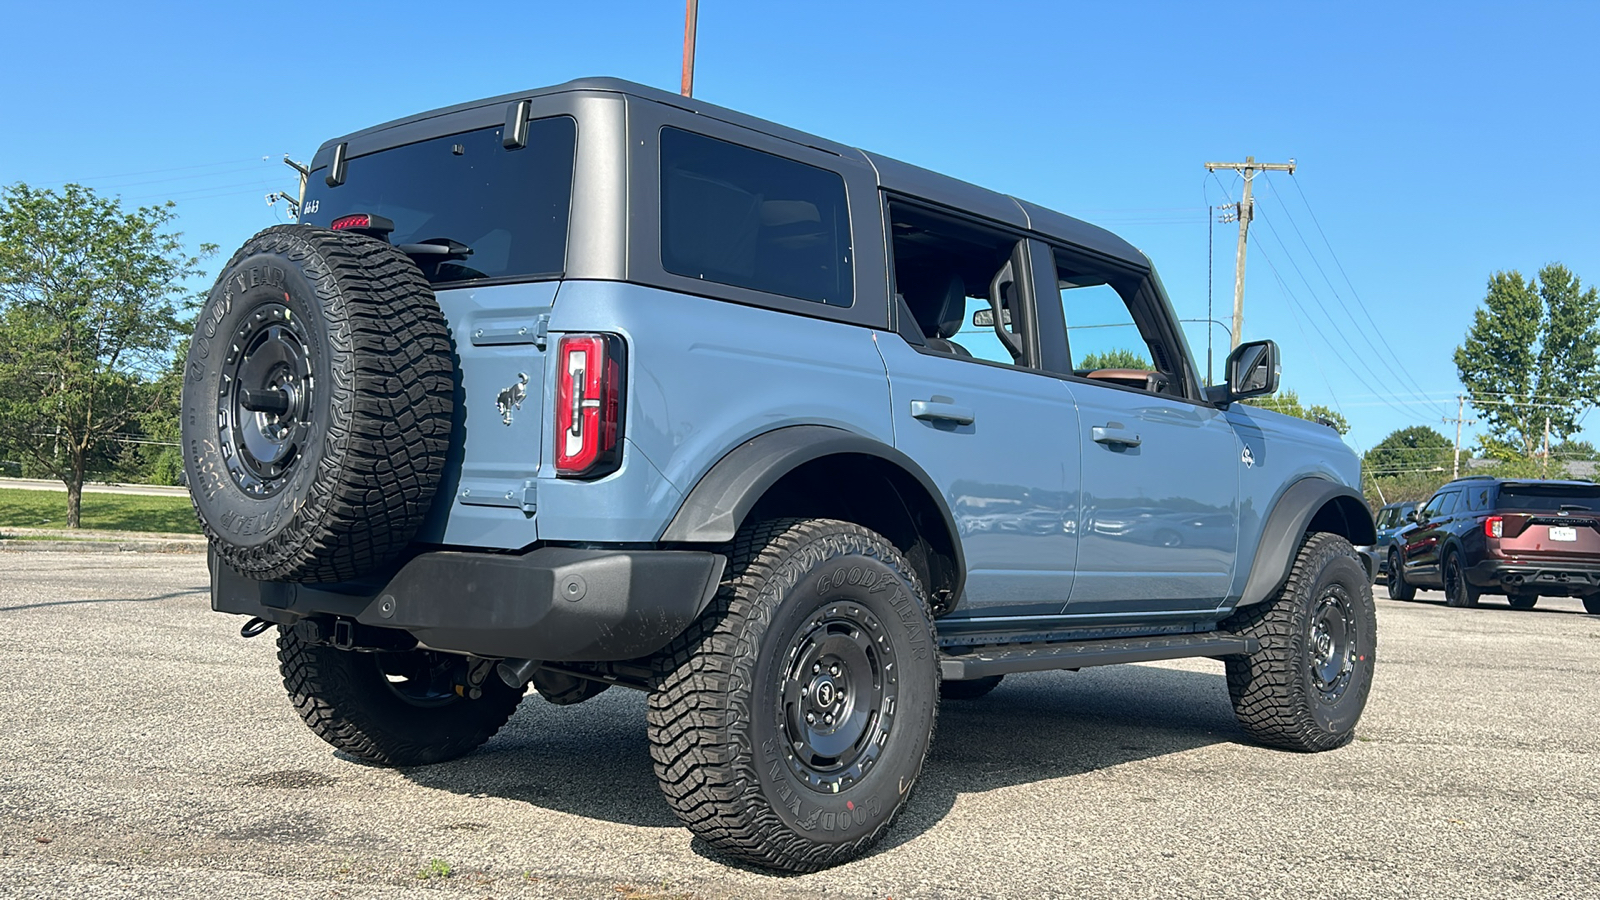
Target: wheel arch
(826, 472)
(1308, 505)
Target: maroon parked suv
(1523, 539)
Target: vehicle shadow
(593, 760)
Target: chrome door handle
(1112, 434)
(930, 411)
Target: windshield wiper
(435, 250)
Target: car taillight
(590, 370)
(1493, 526)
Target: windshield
(509, 206)
(1549, 497)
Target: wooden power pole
(1244, 211)
(691, 17)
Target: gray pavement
(149, 752)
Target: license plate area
(1563, 533)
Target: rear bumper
(1540, 578)
(553, 604)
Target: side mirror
(1253, 370)
(1415, 517)
(984, 318)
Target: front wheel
(1399, 587)
(1305, 686)
(1458, 591)
(1591, 604)
(407, 708)
(790, 722)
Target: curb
(15, 546)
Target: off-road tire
(1399, 588)
(347, 330)
(1522, 601)
(1591, 604)
(969, 689)
(348, 700)
(726, 709)
(1278, 693)
(1458, 591)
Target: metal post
(1211, 231)
(1248, 169)
(1461, 413)
(691, 16)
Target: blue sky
(1436, 142)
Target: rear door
(970, 406)
(1422, 545)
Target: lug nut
(833, 669)
(811, 718)
(828, 720)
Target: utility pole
(1461, 418)
(300, 198)
(691, 18)
(1244, 211)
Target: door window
(1440, 506)
(1107, 341)
(956, 287)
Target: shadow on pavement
(593, 759)
(203, 589)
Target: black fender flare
(1286, 526)
(717, 505)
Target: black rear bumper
(553, 604)
(1554, 578)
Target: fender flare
(1286, 526)
(717, 505)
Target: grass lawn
(113, 512)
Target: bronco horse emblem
(511, 398)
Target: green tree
(92, 306)
(1418, 448)
(1532, 355)
(1118, 358)
(1288, 403)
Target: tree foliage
(1533, 352)
(92, 306)
(1288, 403)
(1119, 358)
(1418, 448)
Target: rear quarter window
(750, 219)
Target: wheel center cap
(825, 693)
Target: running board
(1006, 659)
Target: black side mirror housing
(1253, 370)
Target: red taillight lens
(590, 370)
(347, 222)
(1494, 526)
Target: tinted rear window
(509, 206)
(750, 219)
(1549, 497)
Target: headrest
(940, 304)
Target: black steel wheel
(789, 724)
(1458, 591)
(266, 409)
(1307, 684)
(1399, 587)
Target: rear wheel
(395, 708)
(1458, 591)
(1399, 587)
(1307, 684)
(789, 723)
(970, 689)
(1591, 604)
(1522, 601)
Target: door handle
(930, 411)
(1112, 434)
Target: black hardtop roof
(893, 175)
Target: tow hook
(254, 627)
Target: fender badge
(1248, 458)
(511, 398)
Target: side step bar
(1006, 659)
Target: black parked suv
(1392, 519)
(1484, 535)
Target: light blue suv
(596, 385)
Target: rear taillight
(1494, 526)
(590, 370)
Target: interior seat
(939, 304)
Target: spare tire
(317, 404)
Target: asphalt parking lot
(149, 751)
